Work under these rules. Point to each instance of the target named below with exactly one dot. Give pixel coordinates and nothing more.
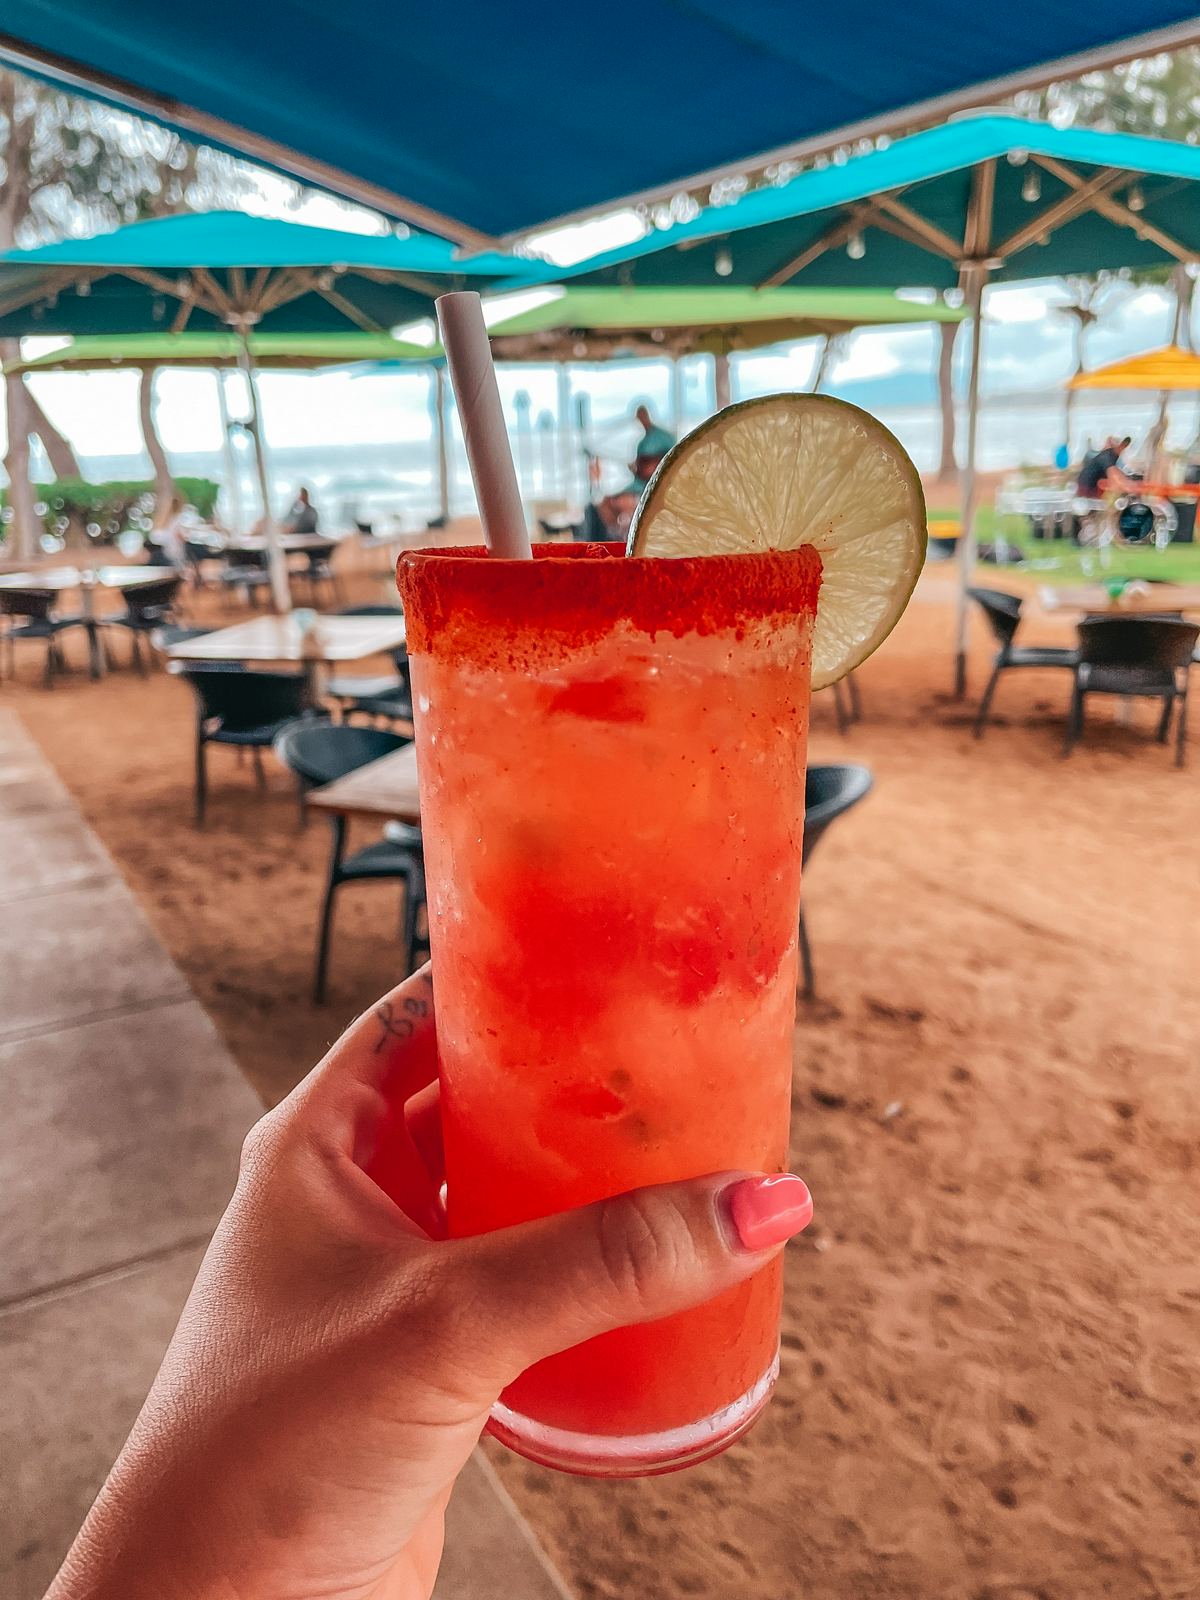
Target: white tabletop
(279, 639)
(57, 578)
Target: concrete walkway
(122, 1119)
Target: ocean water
(374, 482)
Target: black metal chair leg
(806, 963)
(840, 708)
(1074, 721)
(325, 926)
(324, 930)
(855, 697)
(414, 899)
(259, 775)
(1164, 722)
(1181, 729)
(201, 793)
(985, 705)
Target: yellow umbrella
(1168, 368)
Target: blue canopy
(1064, 200)
(222, 269)
(493, 119)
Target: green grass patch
(1057, 561)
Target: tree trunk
(722, 385)
(822, 366)
(1156, 438)
(1069, 392)
(164, 483)
(948, 465)
(1184, 286)
(25, 526)
(64, 463)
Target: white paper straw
(469, 357)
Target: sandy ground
(989, 1381)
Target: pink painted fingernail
(767, 1211)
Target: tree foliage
(70, 166)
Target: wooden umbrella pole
(232, 479)
(281, 592)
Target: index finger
(356, 1096)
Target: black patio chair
(1135, 657)
(318, 569)
(829, 792)
(197, 553)
(386, 697)
(320, 754)
(247, 570)
(1003, 613)
(30, 617)
(147, 609)
(247, 710)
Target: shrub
(99, 512)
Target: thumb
(544, 1286)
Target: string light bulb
(1135, 199)
(1031, 186)
(723, 262)
(856, 247)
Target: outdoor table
(279, 640)
(56, 580)
(384, 788)
(1152, 598)
(289, 543)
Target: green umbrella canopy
(591, 324)
(105, 352)
(1059, 200)
(222, 269)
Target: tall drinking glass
(611, 756)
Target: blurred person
(172, 533)
(1102, 467)
(616, 510)
(302, 517)
(652, 447)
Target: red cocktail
(611, 758)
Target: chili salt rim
(466, 602)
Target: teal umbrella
(981, 199)
(248, 276)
